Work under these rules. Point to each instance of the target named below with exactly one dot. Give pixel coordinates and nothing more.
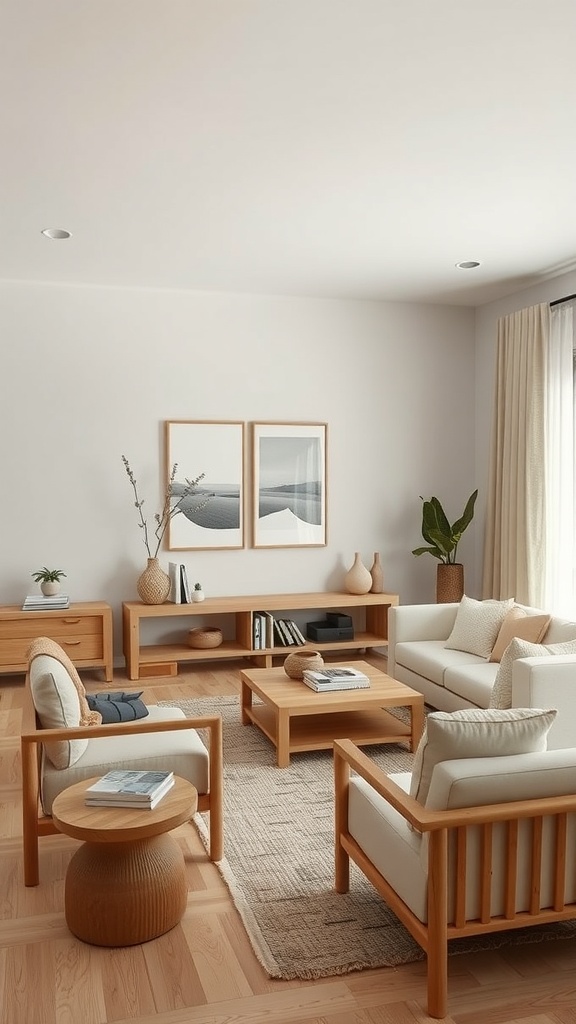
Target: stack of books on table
(335, 679)
(37, 602)
(129, 789)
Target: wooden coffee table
(126, 884)
(296, 718)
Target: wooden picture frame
(289, 485)
(215, 517)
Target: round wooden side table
(126, 884)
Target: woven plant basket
(449, 583)
(204, 637)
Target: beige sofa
(454, 679)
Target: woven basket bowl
(205, 637)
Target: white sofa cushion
(559, 631)
(430, 659)
(182, 752)
(476, 732)
(501, 696)
(477, 625)
(473, 682)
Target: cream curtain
(559, 582)
(515, 549)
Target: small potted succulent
(49, 580)
(197, 593)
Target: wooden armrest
(120, 729)
(348, 752)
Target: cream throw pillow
(477, 625)
(476, 732)
(58, 706)
(519, 624)
(501, 696)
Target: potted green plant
(49, 580)
(197, 593)
(442, 539)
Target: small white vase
(197, 595)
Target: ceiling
(352, 148)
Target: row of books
(142, 789)
(179, 587)
(37, 602)
(268, 631)
(326, 679)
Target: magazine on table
(328, 679)
(336, 674)
(130, 788)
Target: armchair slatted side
(447, 835)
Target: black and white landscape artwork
(211, 516)
(290, 493)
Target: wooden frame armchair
(35, 823)
(514, 862)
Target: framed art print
(212, 514)
(289, 485)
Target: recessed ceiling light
(468, 264)
(56, 233)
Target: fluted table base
(120, 894)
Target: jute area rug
(279, 862)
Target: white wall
(89, 374)
(486, 336)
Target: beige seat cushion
(182, 752)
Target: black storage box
(324, 630)
(338, 619)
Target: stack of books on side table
(129, 789)
(37, 602)
(323, 680)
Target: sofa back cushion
(476, 732)
(477, 625)
(559, 631)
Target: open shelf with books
(236, 617)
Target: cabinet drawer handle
(72, 622)
(71, 643)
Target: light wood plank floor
(204, 971)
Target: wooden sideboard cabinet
(234, 615)
(83, 630)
